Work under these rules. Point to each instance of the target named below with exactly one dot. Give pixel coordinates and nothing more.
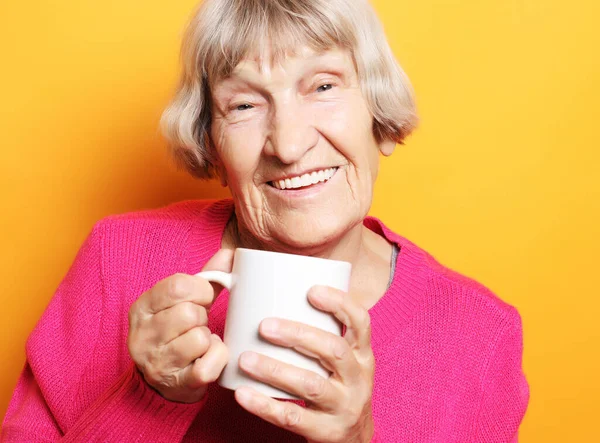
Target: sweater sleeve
(505, 392)
(50, 402)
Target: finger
(186, 348)
(207, 368)
(286, 415)
(300, 382)
(351, 314)
(332, 351)
(175, 289)
(170, 323)
(221, 261)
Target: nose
(292, 133)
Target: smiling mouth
(304, 180)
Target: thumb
(221, 261)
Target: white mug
(266, 284)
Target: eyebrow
(328, 68)
(234, 85)
(238, 82)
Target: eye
(244, 107)
(324, 87)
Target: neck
(369, 254)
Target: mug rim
(261, 251)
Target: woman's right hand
(169, 340)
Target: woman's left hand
(338, 408)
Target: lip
(306, 193)
(301, 173)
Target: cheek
(239, 149)
(349, 129)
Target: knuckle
(340, 349)
(201, 337)
(177, 286)
(201, 315)
(221, 351)
(189, 315)
(273, 369)
(152, 375)
(166, 383)
(204, 291)
(314, 387)
(200, 372)
(290, 416)
(205, 286)
(204, 374)
(265, 409)
(298, 332)
(153, 361)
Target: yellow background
(499, 182)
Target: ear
(387, 147)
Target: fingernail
(269, 326)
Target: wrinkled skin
(339, 407)
(168, 339)
(305, 113)
(272, 121)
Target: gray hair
(221, 33)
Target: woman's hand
(338, 408)
(169, 340)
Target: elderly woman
(290, 104)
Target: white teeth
(314, 178)
(305, 179)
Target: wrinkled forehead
(267, 56)
(299, 59)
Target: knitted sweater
(447, 351)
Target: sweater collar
(396, 307)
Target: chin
(309, 234)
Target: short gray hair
(221, 33)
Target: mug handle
(223, 278)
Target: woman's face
(296, 146)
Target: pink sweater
(448, 352)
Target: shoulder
(145, 246)
(450, 295)
(466, 318)
(179, 213)
(159, 225)
(448, 284)
(474, 318)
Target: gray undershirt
(395, 250)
